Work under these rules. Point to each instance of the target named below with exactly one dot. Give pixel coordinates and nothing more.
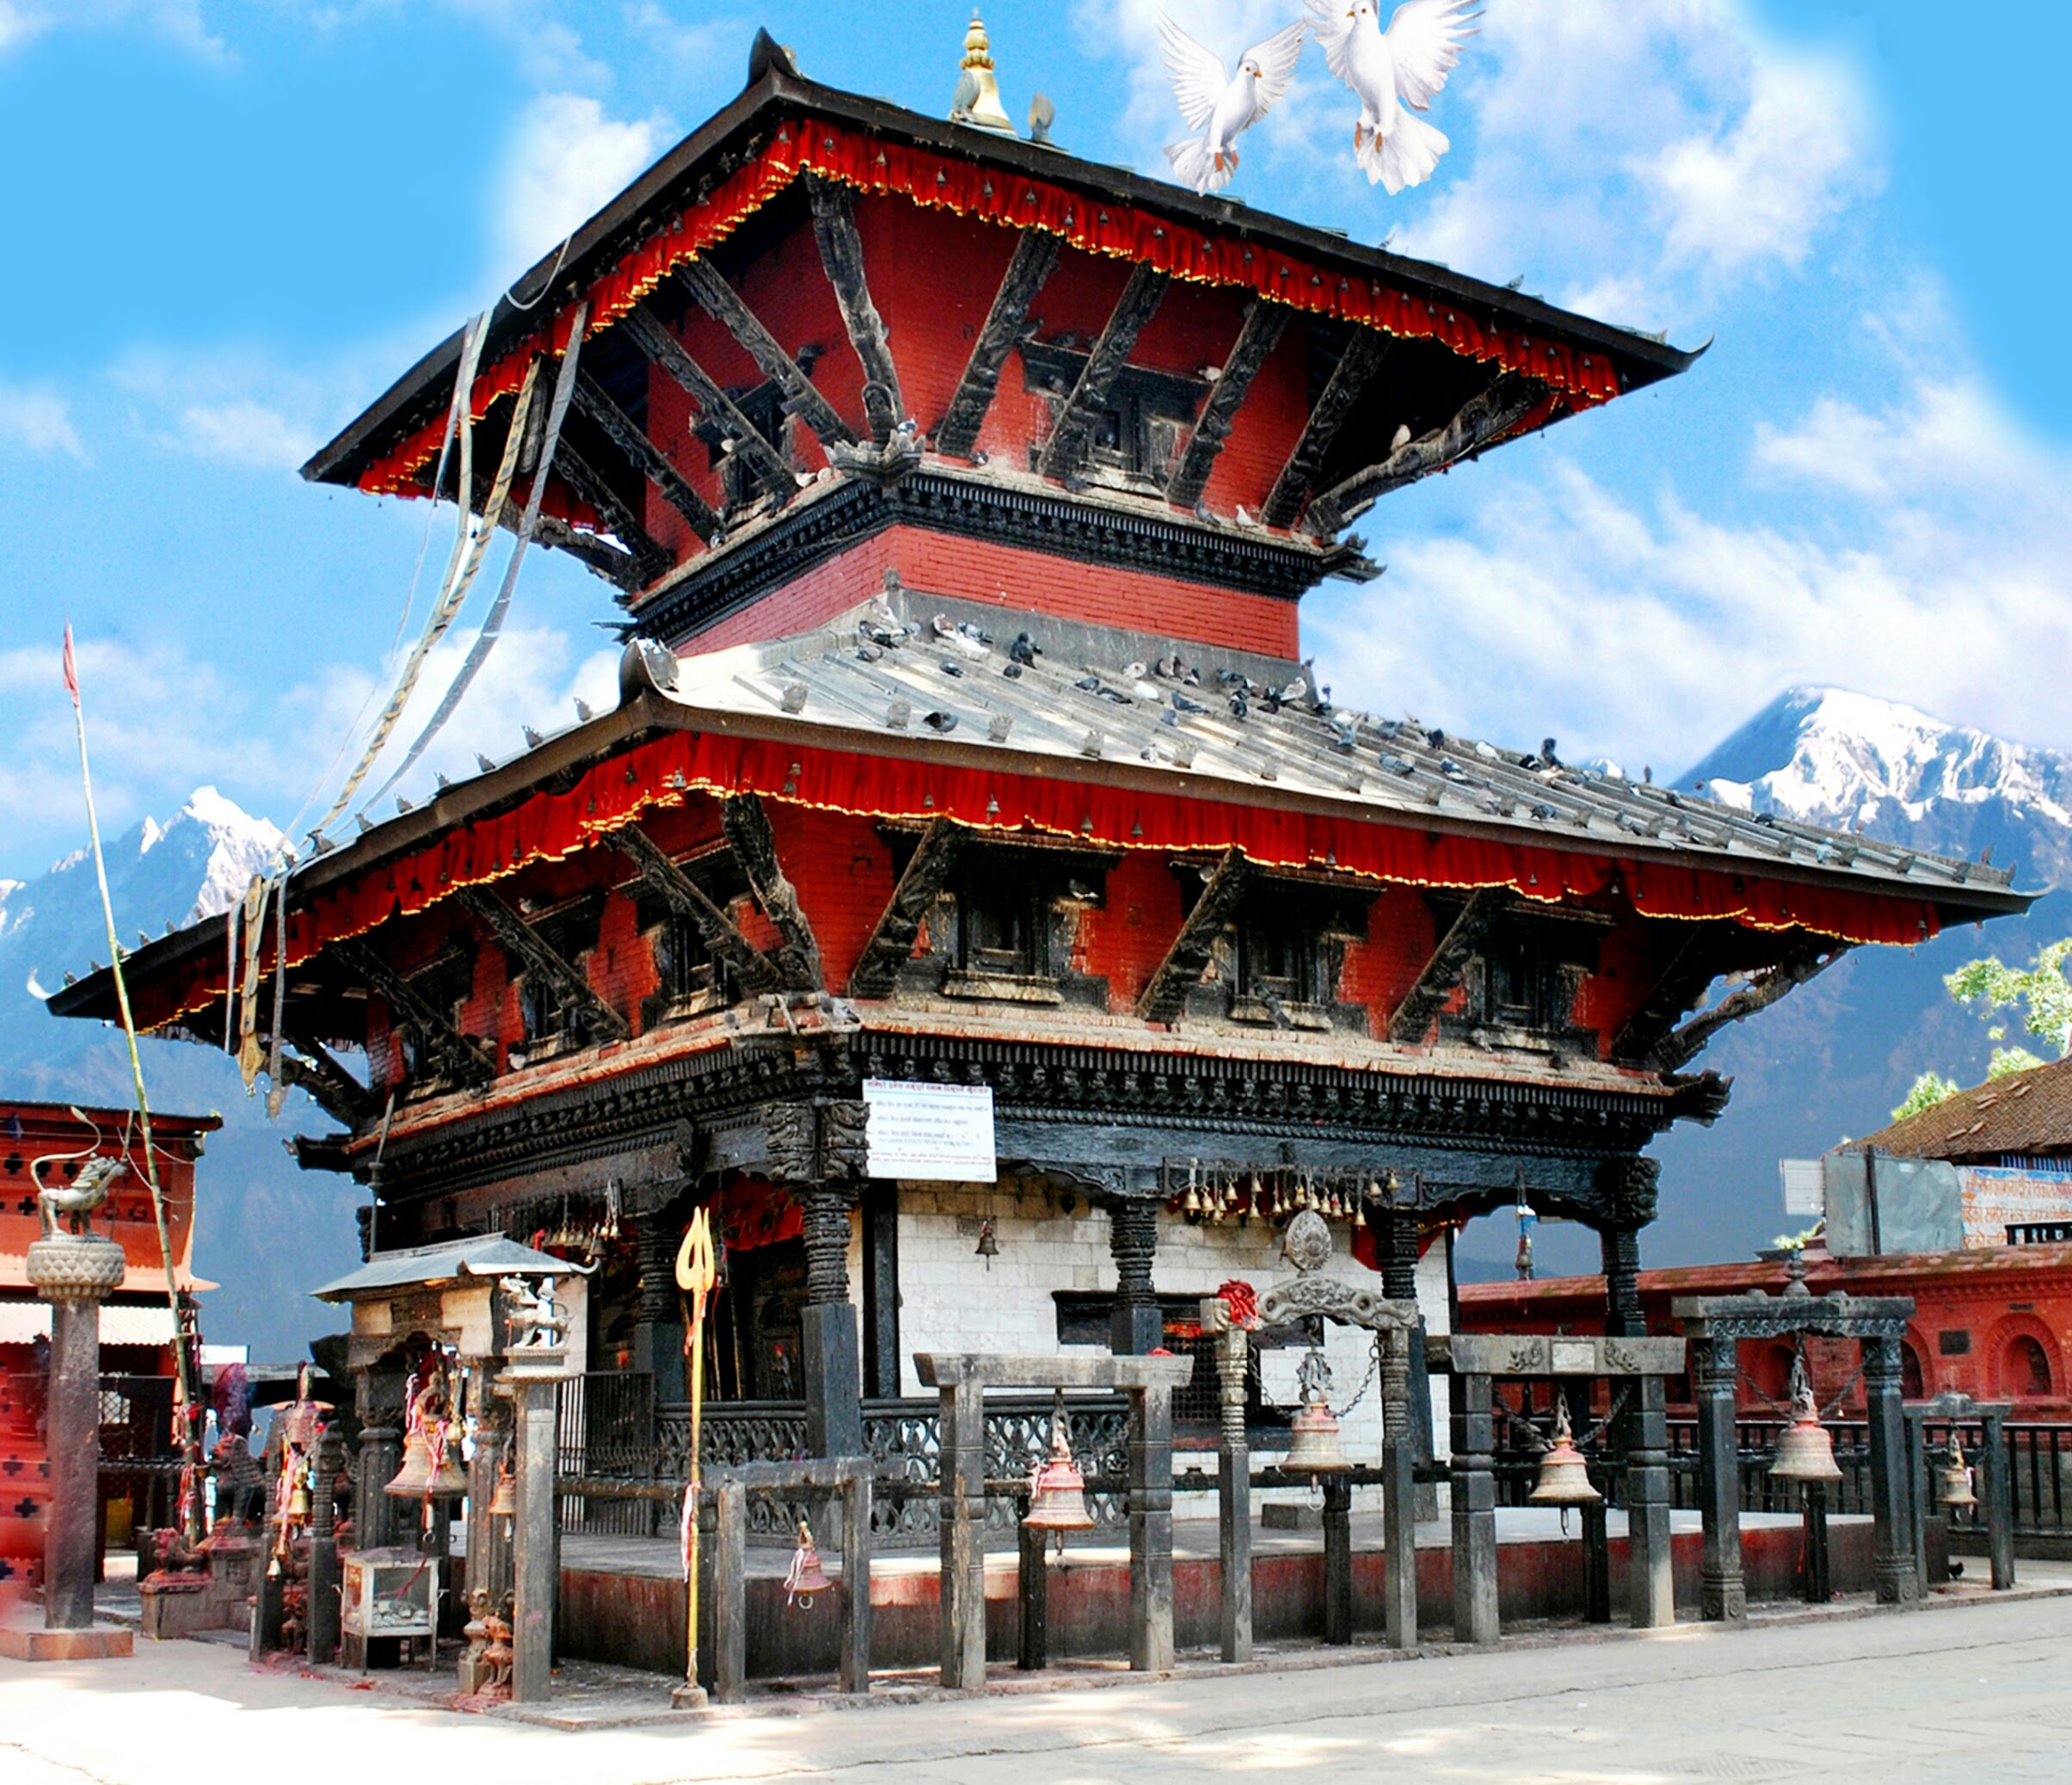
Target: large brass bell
(1565, 1477)
(1057, 1490)
(418, 1481)
(1953, 1479)
(1313, 1443)
(1805, 1452)
(806, 1577)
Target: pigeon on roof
(1221, 106)
(1404, 65)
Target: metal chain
(1783, 1412)
(1611, 1417)
(1373, 1365)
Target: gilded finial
(977, 99)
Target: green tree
(2040, 992)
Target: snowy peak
(1830, 757)
(240, 846)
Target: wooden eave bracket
(1413, 1018)
(648, 458)
(1035, 256)
(747, 827)
(1681, 984)
(661, 349)
(891, 944)
(1071, 439)
(1484, 417)
(1807, 959)
(801, 397)
(335, 1091)
(588, 484)
(841, 250)
(723, 937)
(1258, 337)
(462, 1057)
(1349, 378)
(519, 938)
(1164, 993)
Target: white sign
(940, 1133)
(1804, 1181)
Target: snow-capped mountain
(266, 1230)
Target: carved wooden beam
(1807, 958)
(842, 256)
(1483, 417)
(1258, 337)
(337, 1093)
(662, 348)
(891, 944)
(1072, 437)
(1680, 985)
(748, 830)
(519, 938)
(1164, 993)
(1356, 368)
(462, 1057)
(650, 557)
(801, 397)
(1447, 966)
(1035, 256)
(687, 898)
(620, 567)
(648, 458)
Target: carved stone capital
(1630, 1188)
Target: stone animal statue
(78, 1199)
(536, 1320)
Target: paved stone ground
(1968, 1691)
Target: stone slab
(103, 1642)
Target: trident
(695, 1277)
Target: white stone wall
(951, 1302)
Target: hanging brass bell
(1804, 1451)
(1313, 1443)
(989, 1245)
(1953, 1479)
(418, 1481)
(806, 1576)
(1057, 1490)
(1565, 1476)
(503, 1504)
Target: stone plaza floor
(1974, 1687)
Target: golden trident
(695, 1277)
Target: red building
(137, 1328)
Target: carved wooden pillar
(1474, 1483)
(1233, 1498)
(834, 1413)
(324, 1610)
(658, 1329)
(1135, 1327)
(1898, 1580)
(1397, 1236)
(1630, 1188)
(1722, 1594)
(1151, 1615)
(374, 1512)
(1402, 1377)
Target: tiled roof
(2023, 1112)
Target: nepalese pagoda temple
(959, 496)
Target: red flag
(72, 668)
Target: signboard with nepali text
(939, 1133)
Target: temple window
(691, 982)
(445, 983)
(553, 1022)
(1009, 920)
(1289, 946)
(1521, 989)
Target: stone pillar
(1150, 1638)
(1898, 1579)
(74, 1272)
(1234, 1495)
(534, 1559)
(1136, 1326)
(1722, 1592)
(488, 1535)
(1401, 1353)
(1995, 1488)
(834, 1413)
(1474, 1484)
(962, 1519)
(658, 1324)
(1650, 1585)
(376, 1515)
(326, 1458)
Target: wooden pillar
(834, 1413)
(325, 1615)
(882, 1289)
(729, 1642)
(1401, 1354)
(855, 1663)
(1474, 1495)
(72, 1409)
(1995, 1489)
(1337, 1559)
(1891, 1505)
(1814, 1518)
(1397, 1237)
(1619, 1247)
(374, 1512)
(1722, 1592)
(1234, 1494)
(963, 1527)
(658, 1325)
(1136, 1326)
(534, 1558)
(1032, 1582)
(1151, 1639)
(1651, 1584)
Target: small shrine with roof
(958, 497)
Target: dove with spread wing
(1221, 106)
(1403, 66)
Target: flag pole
(182, 1360)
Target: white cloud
(568, 158)
(235, 405)
(246, 433)
(39, 420)
(178, 19)
(1932, 572)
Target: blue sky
(234, 224)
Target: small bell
(1565, 1477)
(989, 1245)
(1313, 1443)
(806, 1577)
(1804, 1452)
(1057, 1490)
(1953, 1479)
(503, 1504)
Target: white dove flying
(1221, 106)
(1404, 65)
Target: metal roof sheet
(479, 1255)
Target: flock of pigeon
(1404, 65)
